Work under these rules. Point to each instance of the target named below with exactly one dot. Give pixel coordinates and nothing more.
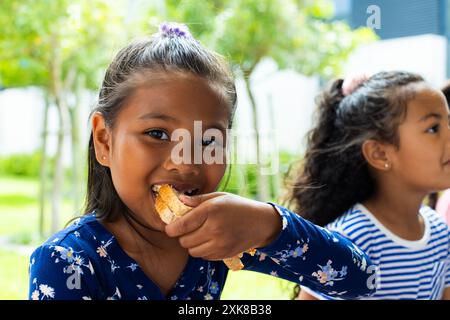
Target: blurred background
(53, 54)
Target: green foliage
(295, 34)
(21, 165)
(21, 238)
(241, 178)
(72, 35)
(26, 165)
(16, 200)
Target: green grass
(13, 276)
(19, 223)
(18, 185)
(19, 211)
(14, 199)
(248, 285)
(19, 217)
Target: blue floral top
(85, 261)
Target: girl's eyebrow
(437, 116)
(218, 125)
(431, 115)
(157, 115)
(163, 116)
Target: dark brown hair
(160, 53)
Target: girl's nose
(184, 168)
(447, 132)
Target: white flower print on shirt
(46, 291)
(35, 295)
(327, 275)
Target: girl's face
(423, 159)
(141, 146)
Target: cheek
(213, 175)
(418, 165)
(131, 164)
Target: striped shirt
(405, 269)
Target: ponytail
(334, 176)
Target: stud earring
(104, 158)
(386, 165)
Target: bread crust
(166, 215)
(170, 198)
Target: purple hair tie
(173, 29)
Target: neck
(134, 236)
(395, 203)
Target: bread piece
(163, 210)
(235, 262)
(170, 208)
(170, 198)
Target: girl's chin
(160, 226)
(153, 220)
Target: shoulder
(352, 221)
(437, 225)
(432, 216)
(63, 266)
(78, 241)
(356, 226)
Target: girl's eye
(433, 129)
(208, 141)
(158, 134)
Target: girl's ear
(101, 137)
(376, 154)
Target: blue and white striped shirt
(405, 269)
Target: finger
(205, 249)
(214, 256)
(211, 258)
(193, 239)
(188, 223)
(195, 201)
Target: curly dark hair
(334, 174)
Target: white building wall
(424, 54)
(21, 122)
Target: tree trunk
(77, 153)
(58, 178)
(275, 178)
(58, 91)
(43, 168)
(239, 170)
(261, 180)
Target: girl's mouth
(188, 190)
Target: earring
(386, 165)
(104, 158)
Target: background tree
(63, 48)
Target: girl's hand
(222, 225)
